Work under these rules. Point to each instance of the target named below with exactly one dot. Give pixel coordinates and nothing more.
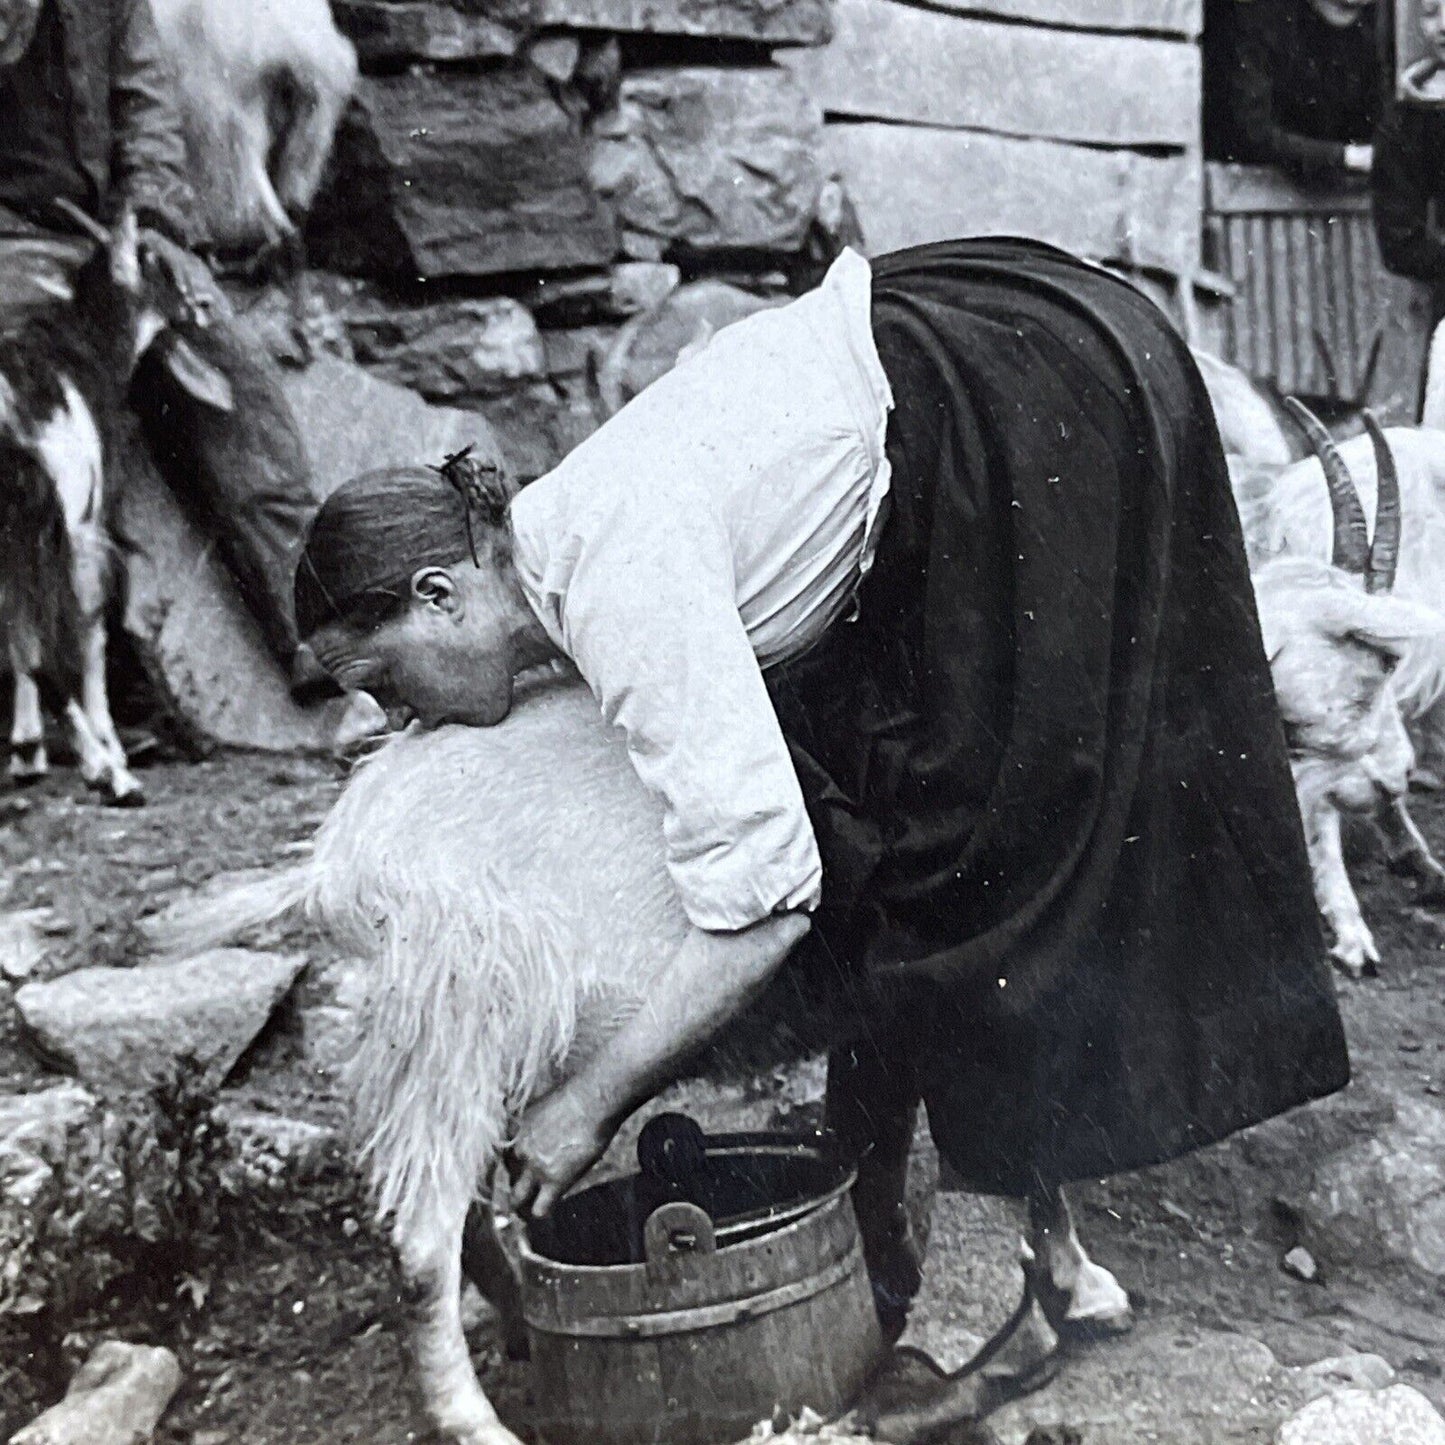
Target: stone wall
(517, 178)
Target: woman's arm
(1262, 140)
(712, 977)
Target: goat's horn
(88, 224)
(1351, 531)
(1385, 549)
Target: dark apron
(1064, 873)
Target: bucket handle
(674, 1232)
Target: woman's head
(1432, 28)
(405, 589)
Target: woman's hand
(561, 1137)
(1359, 159)
(710, 978)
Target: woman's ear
(435, 587)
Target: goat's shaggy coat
(508, 887)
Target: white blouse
(715, 526)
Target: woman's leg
(872, 1107)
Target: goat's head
(140, 298)
(1334, 634)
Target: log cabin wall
(1076, 121)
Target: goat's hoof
(1353, 964)
(28, 763)
(125, 793)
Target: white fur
(1351, 670)
(228, 55)
(1249, 426)
(1432, 414)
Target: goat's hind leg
(430, 1260)
(28, 762)
(114, 777)
(1409, 853)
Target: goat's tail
(1433, 412)
(205, 921)
(40, 620)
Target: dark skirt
(1065, 879)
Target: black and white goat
(63, 379)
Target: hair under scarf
(372, 534)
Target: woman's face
(446, 656)
(1432, 27)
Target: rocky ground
(244, 1248)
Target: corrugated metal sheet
(1306, 270)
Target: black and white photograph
(724, 722)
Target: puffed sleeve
(650, 618)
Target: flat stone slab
(1398, 1415)
(383, 30)
(711, 158)
(459, 172)
(471, 346)
(116, 1398)
(127, 1028)
(780, 22)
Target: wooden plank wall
(1076, 121)
(1305, 262)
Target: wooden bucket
(712, 1325)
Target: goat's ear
(125, 252)
(1389, 625)
(204, 381)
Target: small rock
(22, 944)
(1301, 1264)
(116, 1398)
(1381, 1199)
(1346, 1372)
(1397, 1415)
(556, 56)
(473, 346)
(269, 1150)
(125, 1028)
(653, 342)
(614, 295)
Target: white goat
(63, 376)
(262, 84)
(508, 886)
(1352, 663)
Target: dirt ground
(292, 1335)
